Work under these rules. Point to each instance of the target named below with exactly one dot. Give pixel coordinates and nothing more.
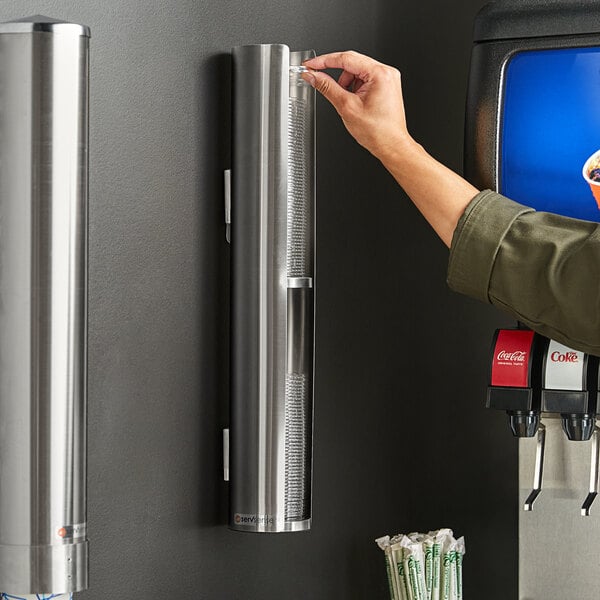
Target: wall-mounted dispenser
(272, 266)
(43, 306)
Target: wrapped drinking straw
(428, 552)
(460, 552)
(414, 568)
(398, 554)
(390, 566)
(424, 566)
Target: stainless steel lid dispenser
(272, 315)
(43, 300)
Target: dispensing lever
(539, 468)
(585, 507)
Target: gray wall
(402, 441)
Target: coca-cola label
(518, 356)
(564, 368)
(512, 353)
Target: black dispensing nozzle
(578, 428)
(524, 423)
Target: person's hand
(367, 96)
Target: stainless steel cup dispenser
(272, 317)
(43, 305)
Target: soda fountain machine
(532, 133)
(532, 376)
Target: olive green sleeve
(542, 268)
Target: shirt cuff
(476, 241)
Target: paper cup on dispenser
(591, 173)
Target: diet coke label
(512, 353)
(564, 357)
(564, 369)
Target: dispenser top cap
(520, 19)
(40, 23)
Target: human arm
(368, 98)
(542, 268)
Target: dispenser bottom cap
(238, 523)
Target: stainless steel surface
(557, 546)
(43, 314)
(593, 490)
(272, 245)
(299, 282)
(538, 469)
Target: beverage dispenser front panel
(511, 361)
(550, 131)
(565, 368)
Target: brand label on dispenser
(564, 369)
(71, 532)
(254, 520)
(512, 353)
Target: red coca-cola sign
(512, 353)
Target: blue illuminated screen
(550, 128)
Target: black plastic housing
(501, 30)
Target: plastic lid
(43, 24)
(518, 19)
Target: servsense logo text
(240, 519)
